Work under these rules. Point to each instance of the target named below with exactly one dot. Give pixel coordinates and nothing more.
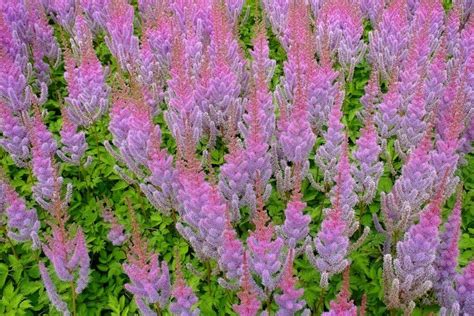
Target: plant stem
(73, 299)
(13, 246)
(320, 303)
(158, 309)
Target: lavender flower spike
(465, 290)
(53, 295)
(73, 142)
(296, 225)
(14, 137)
(183, 295)
(447, 258)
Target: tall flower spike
(447, 258)
(149, 280)
(387, 118)
(370, 168)
(120, 38)
(231, 253)
(64, 12)
(265, 250)
(465, 289)
(23, 223)
(409, 275)
(73, 141)
(88, 97)
(53, 295)
(96, 13)
(183, 295)
(290, 300)
(14, 139)
(249, 304)
(116, 233)
(296, 225)
(342, 305)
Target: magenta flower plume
(73, 142)
(68, 255)
(388, 40)
(296, 225)
(23, 223)
(88, 97)
(183, 296)
(465, 289)
(149, 279)
(340, 24)
(328, 154)
(249, 304)
(447, 258)
(369, 169)
(342, 305)
(203, 211)
(43, 149)
(265, 250)
(409, 275)
(331, 244)
(14, 136)
(120, 38)
(53, 295)
(290, 300)
(231, 253)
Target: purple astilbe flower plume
(436, 76)
(231, 253)
(53, 295)
(88, 92)
(67, 254)
(64, 12)
(23, 223)
(447, 258)
(96, 13)
(369, 169)
(203, 211)
(149, 280)
(388, 40)
(409, 275)
(116, 234)
(14, 136)
(465, 289)
(265, 250)
(411, 190)
(43, 149)
(249, 304)
(224, 75)
(290, 300)
(183, 295)
(342, 305)
(73, 141)
(340, 23)
(372, 9)
(277, 13)
(328, 154)
(387, 118)
(120, 39)
(296, 225)
(372, 93)
(429, 14)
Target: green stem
(13, 246)
(208, 274)
(320, 303)
(158, 309)
(73, 299)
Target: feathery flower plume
(23, 223)
(53, 295)
(387, 118)
(14, 136)
(64, 12)
(149, 280)
(372, 9)
(231, 253)
(290, 300)
(88, 93)
(120, 39)
(277, 13)
(465, 289)
(342, 305)
(116, 235)
(370, 168)
(447, 258)
(183, 295)
(249, 304)
(409, 275)
(340, 24)
(264, 250)
(96, 13)
(296, 225)
(372, 95)
(436, 76)
(73, 141)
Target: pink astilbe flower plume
(73, 141)
(446, 260)
(183, 295)
(249, 304)
(231, 253)
(116, 234)
(369, 169)
(342, 305)
(409, 274)
(149, 279)
(23, 224)
(290, 301)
